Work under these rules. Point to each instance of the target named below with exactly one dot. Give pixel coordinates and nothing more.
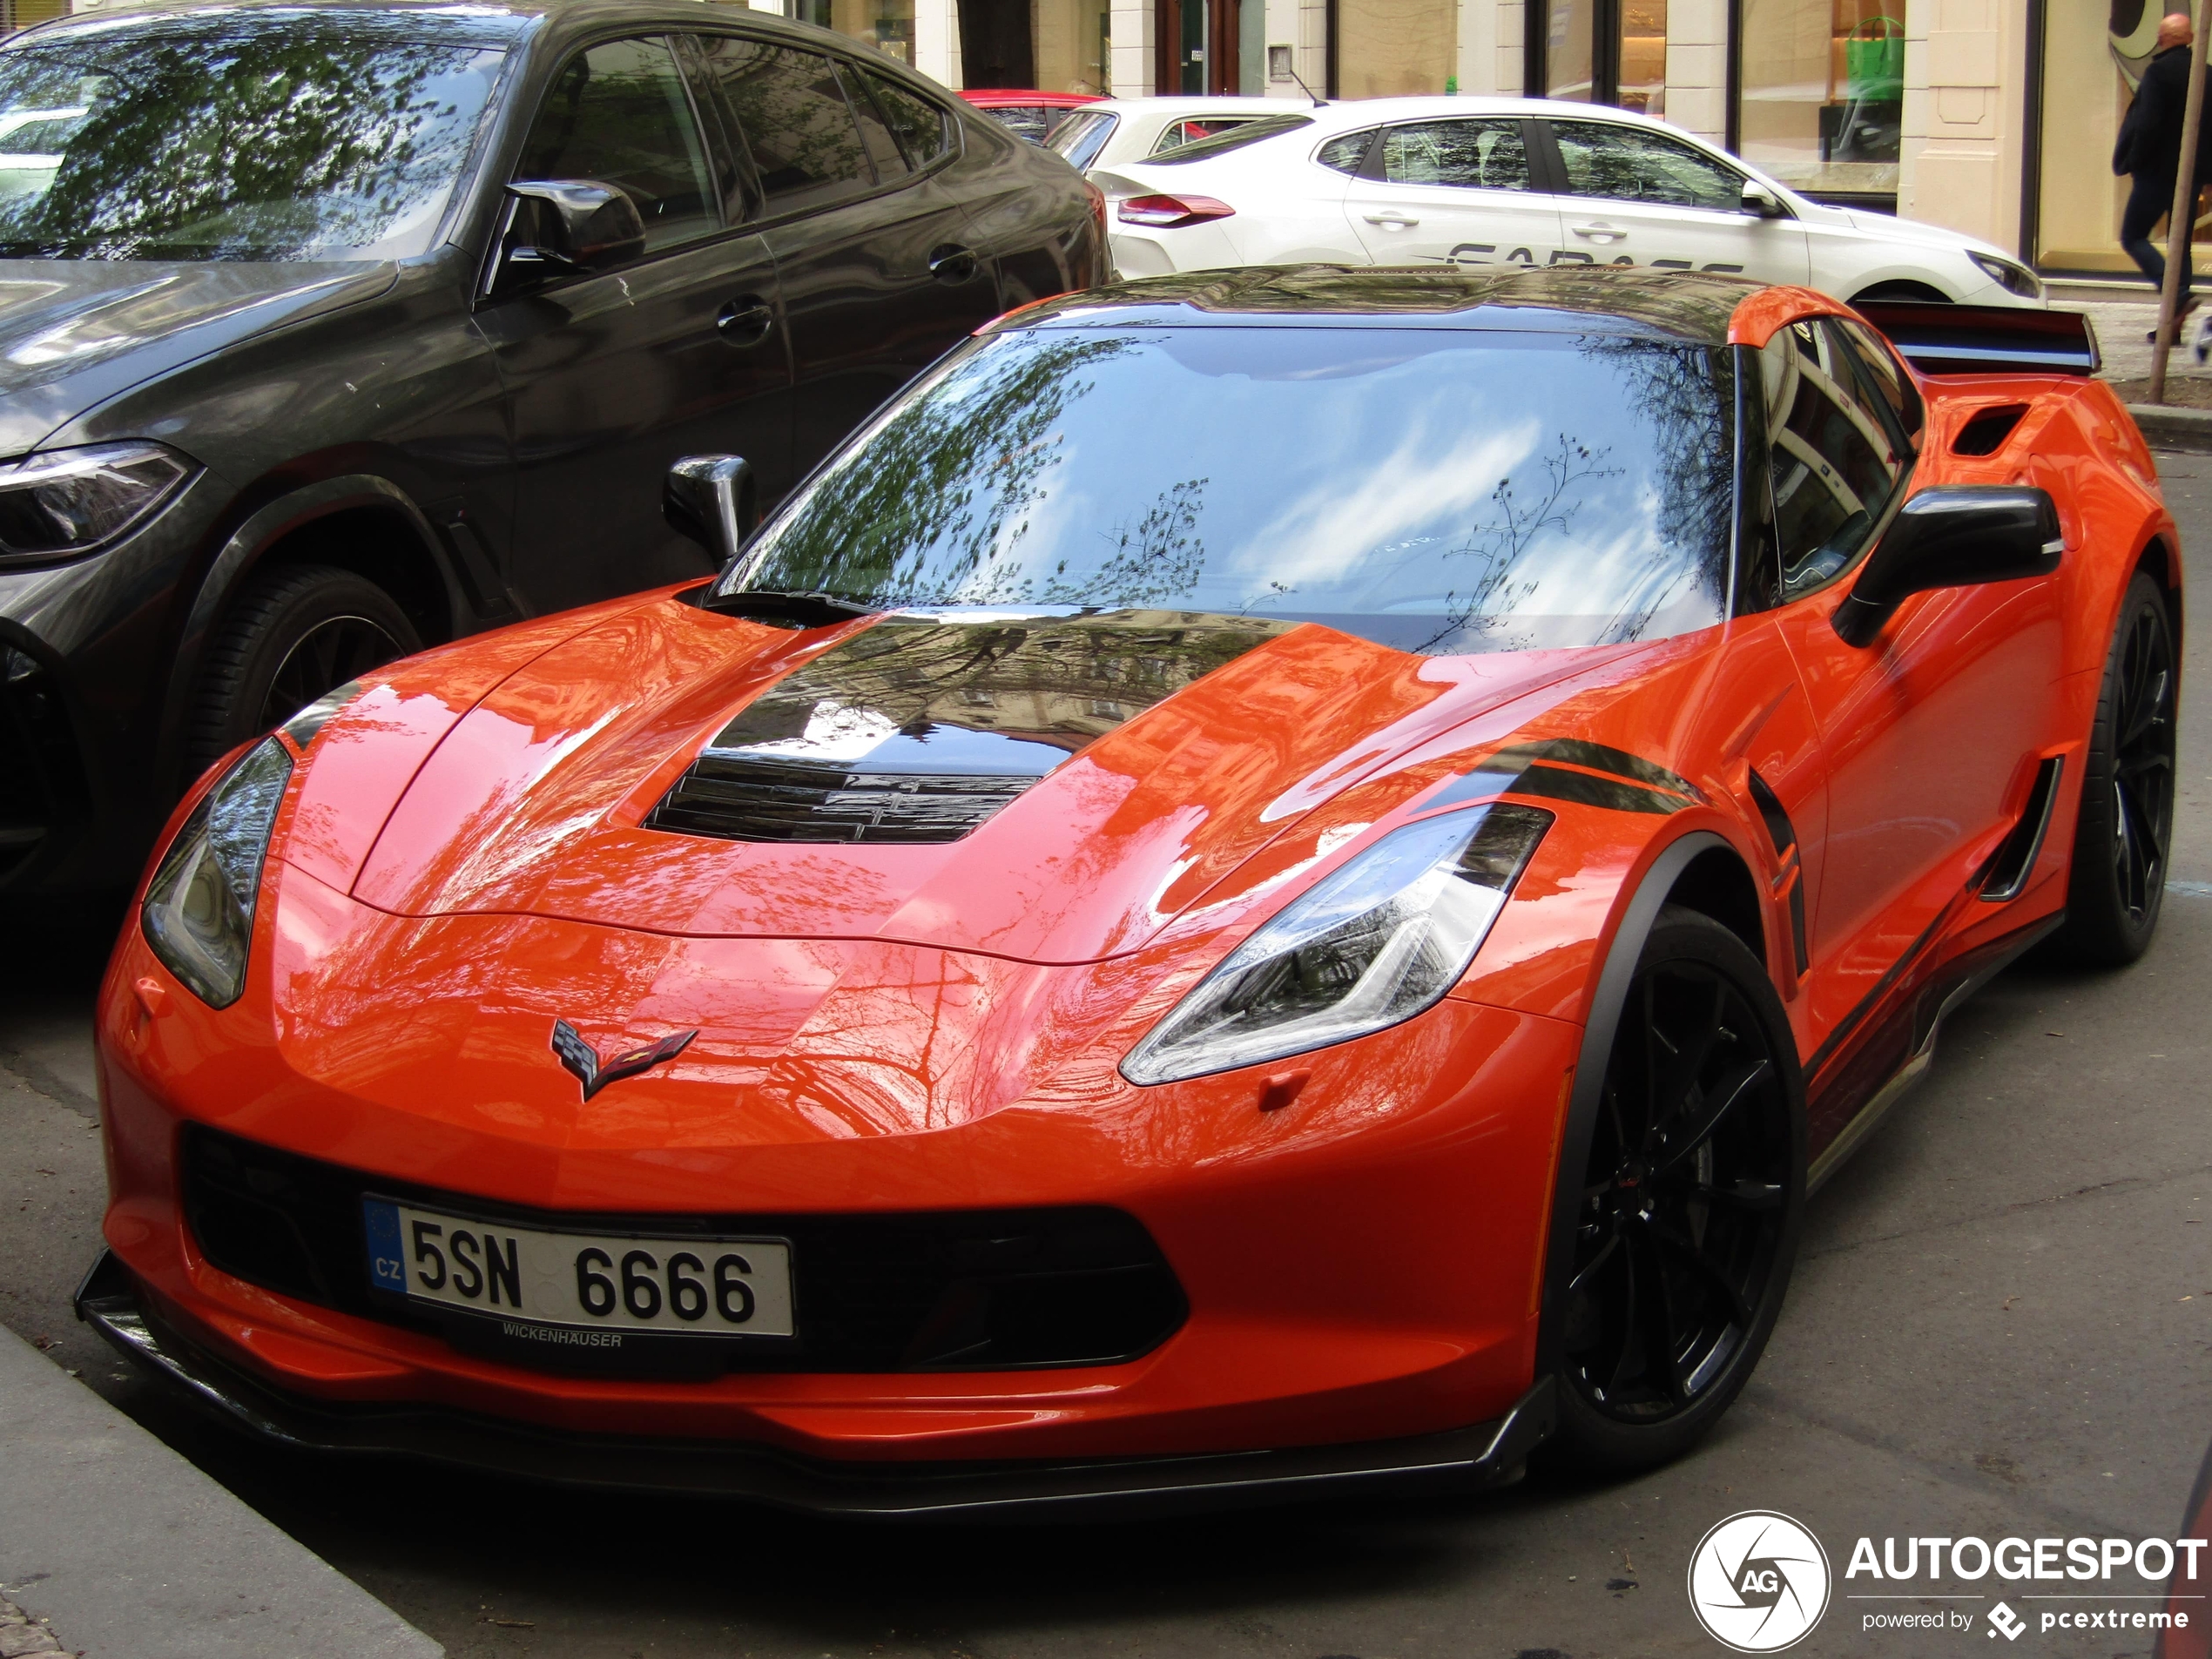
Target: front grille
(43, 788)
(982, 1290)
(744, 799)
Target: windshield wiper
(786, 608)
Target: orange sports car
(1272, 881)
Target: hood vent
(917, 729)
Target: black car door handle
(950, 263)
(745, 320)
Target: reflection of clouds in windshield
(1629, 568)
(1433, 477)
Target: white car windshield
(1433, 489)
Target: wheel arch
(1637, 916)
(2161, 560)
(360, 522)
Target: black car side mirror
(710, 500)
(1762, 203)
(1954, 536)
(569, 226)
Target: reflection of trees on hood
(238, 142)
(947, 488)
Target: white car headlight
(198, 912)
(2013, 279)
(1372, 945)
(71, 501)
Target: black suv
(331, 331)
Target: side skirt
(1916, 1020)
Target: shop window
(2094, 54)
(1822, 94)
(1393, 48)
(1604, 51)
(887, 24)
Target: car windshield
(283, 136)
(1437, 490)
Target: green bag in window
(1874, 61)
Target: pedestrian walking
(2149, 151)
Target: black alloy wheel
(294, 633)
(2118, 879)
(1686, 1221)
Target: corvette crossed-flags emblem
(581, 1060)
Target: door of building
(1197, 43)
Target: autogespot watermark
(1760, 1581)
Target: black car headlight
(2013, 279)
(198, 912)
(1371, 946)
(71, 501)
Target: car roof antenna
(1319, 103)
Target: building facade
(1994, 117)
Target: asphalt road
(2000, 1326)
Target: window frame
(508, 158)
(1596, 116)
(740, 146)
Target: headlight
(2013, 279)
(70, 501)
(1375, 943)
(198, 914)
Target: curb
(2165, 426)
(130, 1552)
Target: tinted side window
(1485, 155)
(1835, 463)
(876, 131)
(618, 113)
(805, 145)
(1629, 165)
(1880, 374)
(1345, 154)
(922, 128)
(1081, 136)
(1176, 134)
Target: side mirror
(710, 499)
(565, 227)
(1762, 203)
(1954, 536)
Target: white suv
(1517, 181)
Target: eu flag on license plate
(386, 1261)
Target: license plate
(580, 1282)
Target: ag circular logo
(1758, 1582)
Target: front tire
(2117, 881)
(1689, 1208)
(294, 633)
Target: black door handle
(950, 263)
(745, 320)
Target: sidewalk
(121, 1549)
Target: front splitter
(1457, 1460)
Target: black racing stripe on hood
(1645, 785)
(919, 728)
(1556, 783)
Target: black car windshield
(1437, 490)
(284, 135)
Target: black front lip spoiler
(1458, 1460)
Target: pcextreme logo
(1758, 1582)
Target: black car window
(924, 131)
(876, 131)
(1347, 154)
(1835, 461)
(1627, 164)
(237, 136)
(1367, 477)
(1481, 155)
(1081, 136)
(805, 145)
(619, 113)
(1880, 371)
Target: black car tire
(294, 633)
(2117, 878)
(1688, 1210)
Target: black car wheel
(1686, 1221)
(2127, 822)
(294, 633)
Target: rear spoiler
(1987, 339)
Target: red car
(1025, 111)
(1273, 881)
